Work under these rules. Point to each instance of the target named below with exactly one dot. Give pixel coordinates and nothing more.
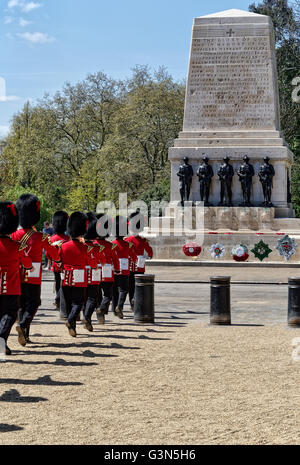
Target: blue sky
(45, 43)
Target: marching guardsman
(109, 263)
(142, 249)
(93, 275)
(12, 257)
(59, 222)
(124, 253)
(28, 207)
(75, 256)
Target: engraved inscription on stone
(230, 83)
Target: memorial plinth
(232, 105)
(231, 109)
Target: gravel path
(180, 381)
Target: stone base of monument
(228, 226)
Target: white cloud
(25, 6)
(8, 19)
(23, 22)
(9, 98)
(14, 3)
(36, 37)
(4, 130)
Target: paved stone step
(229, 134)
(229, 142)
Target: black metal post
(144, 299)
(294, 302)
(220, 300)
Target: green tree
(286, 21)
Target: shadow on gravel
(41, 352)
(148, 330)
(14, 396)
(42, 381)
(58, 362)
(9, 428)
(245, 324)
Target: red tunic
(124, 252)
(75, 257)
(94, 276)
(58, 240)
(141, 246)
(36, 243)
(109, 260)
(12, 257)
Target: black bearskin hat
(9, 218)
(77, 224)
(120, 228)
(104, 225)
(59, 222)
(136, 222)
(28, 207)
(91, 233)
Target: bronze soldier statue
(266, 174)
(185, 175)
(205, 173)
(226, 174)
(245, 174)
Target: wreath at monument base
(192, 249)
(217, 251)
(261, 250)
(286, 247)
(240, 253)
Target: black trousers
(30, 302)
(105, 295)
(8, 314)
(57, 279)
(92, 292)
(132, 283)
(120, 291)
(74, 300)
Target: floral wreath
(240, 253)
(286, 247)
(217, 250)
(192, 249)
(261, 250)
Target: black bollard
(220, 300)
(144, 299)
(294, 302)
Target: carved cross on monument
(230, 32)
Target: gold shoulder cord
(25, 239)
(46, 236)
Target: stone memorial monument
(205, 173)
(232, 105)
(232, 110)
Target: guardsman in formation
(75, 256)
(109, 263)
(12, 257)
(59, 222)
(93, 275)
(28, 207)
(142, 249)
(124, 251)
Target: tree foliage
(95, 139)
(101, 136)
(286, 21)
